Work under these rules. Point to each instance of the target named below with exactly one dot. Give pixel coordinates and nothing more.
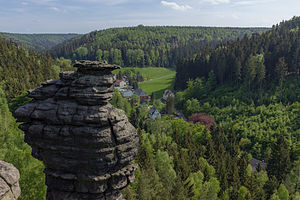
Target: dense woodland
(231, 119)
(255, 61)
(37, 42)
(253, 118)
(147, 46)
(22, 69)
(14, 150)
(251, 88)
(210, 159)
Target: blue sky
(83, 16)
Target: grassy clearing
(157, 79)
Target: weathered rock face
(86, 144)
(9, 185)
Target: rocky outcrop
(86, 145)
(9, 185)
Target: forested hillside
(251, 89)
(22, 69)
(255, 61)
(37, 42)
(14, 150)
(211, 159)
(147, 46)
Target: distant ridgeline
(22, 69)
(147, 46)
(37, 42)
(255, 61)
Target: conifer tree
(152, 98)
(211, 81)
(293, 179)
(249, 72)
(281, 71)
(261, 73)
(279, 163)
(170, 105)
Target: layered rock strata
(9, 182)
(86, 145)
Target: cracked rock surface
(86, 145)
(9, 182)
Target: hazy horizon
(133, 27)
(84, 16)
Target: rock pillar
(86, 145)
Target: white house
(119, 84)
(154, 113)
(127, 94)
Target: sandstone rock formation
(9, 185)
(86, 145)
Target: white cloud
(175, 6)
(235, 16)
(245, 2)
(42, 2)
(216, 2)
(24, 3)
(55, 9)
(251, 2)
(107, 2)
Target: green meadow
(157, 79)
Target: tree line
(147, 46)
(37, 42)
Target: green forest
(255, 61)
(241, 99)
(22, 69)
(147, 46)
(14, 150)
(209, 159)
